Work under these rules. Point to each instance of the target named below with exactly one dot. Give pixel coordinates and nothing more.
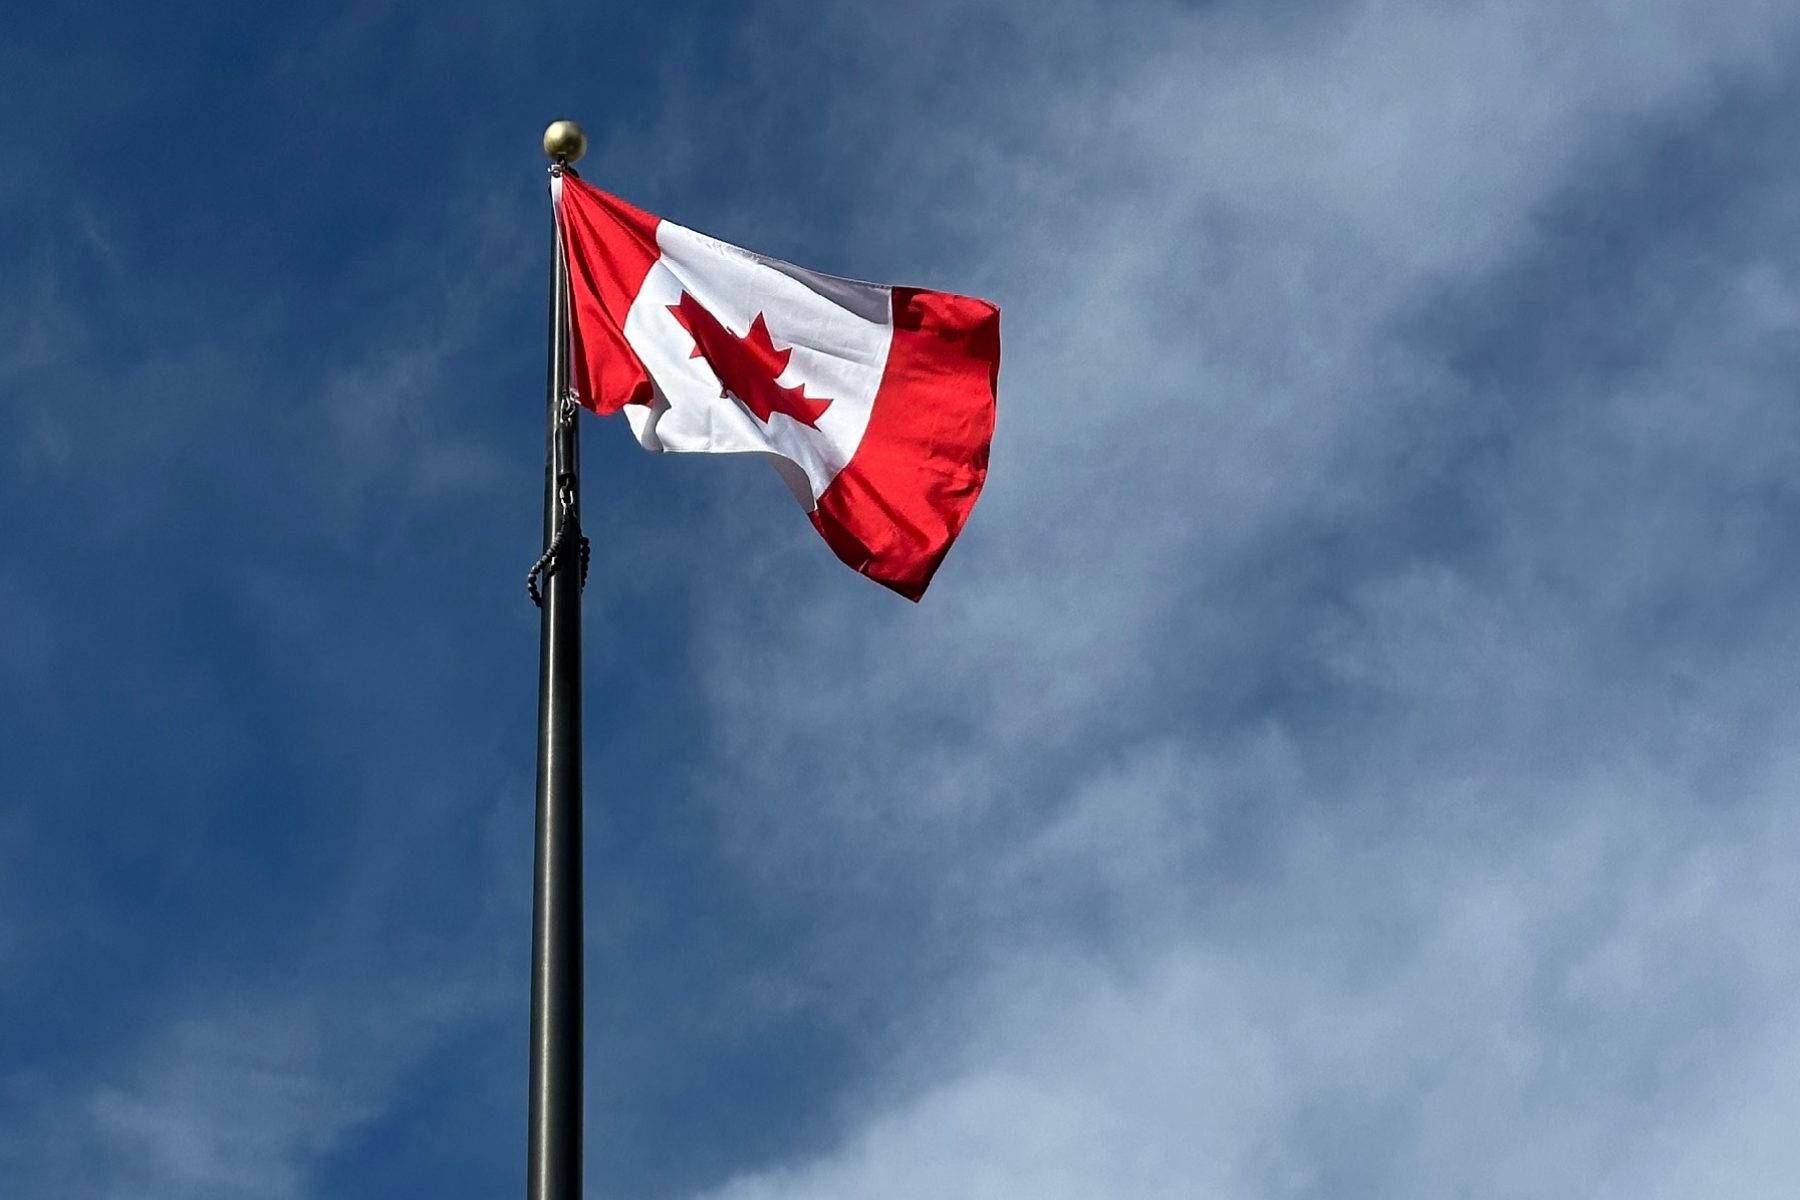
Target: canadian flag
(876, 404)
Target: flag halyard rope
(567, 525)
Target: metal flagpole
(554, 1164)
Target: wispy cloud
(1347, 747)
(248, 1075)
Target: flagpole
(554, 1158)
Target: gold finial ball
(564, 142)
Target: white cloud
(252, 1087)
(1392, 1011)
(1449, 865)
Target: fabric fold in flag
(875, 404)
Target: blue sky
(1351, 752)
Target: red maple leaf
(747, 366)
